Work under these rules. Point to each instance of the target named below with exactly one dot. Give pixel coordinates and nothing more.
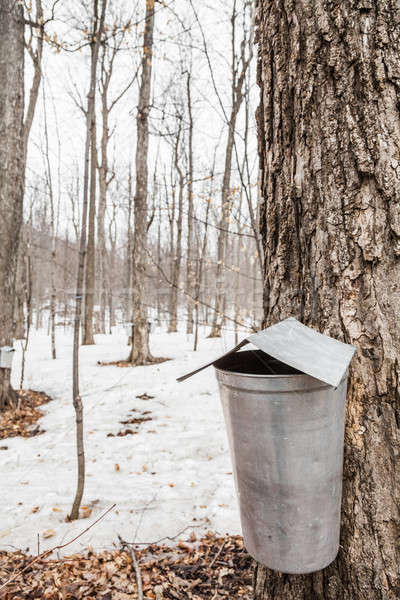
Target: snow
(174, 476)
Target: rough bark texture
(140, 352)
(11, 169)
(329, 143)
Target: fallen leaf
(48, 533)
(35, 509)
(116, 466)
(55, 509)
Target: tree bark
(88, 338)
(329, 145)
(140, 351)
(12, 169)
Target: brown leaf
(48, 533)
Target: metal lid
(300, 347)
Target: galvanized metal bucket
(285, 432)
(284, 408)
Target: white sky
(67, 72)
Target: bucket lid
(300, 347)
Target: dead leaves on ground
(132, 421)
(213, 568)
(156, 360)
(20, 420)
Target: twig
(167, 537)
(195, 300)
(51, 550)
(216, 556)
(138, 574)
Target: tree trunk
(177, 256)
(98, 28)
(329, 140)
(190, 271)
(88, 338)
(12, 169)
(140, 352)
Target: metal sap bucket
(284, 408)
(285, 433)
(6, 356)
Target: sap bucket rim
(300, 347)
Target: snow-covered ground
(174, 474)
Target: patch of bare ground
(213, 568)
(21, 419)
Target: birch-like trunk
(12, 168)
(140, 351)
(329, 144)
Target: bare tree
(239, 66)
(190, 275)
(34, 46)
(98, 28)
(11, 170)
(87, 337)
(140, 352)
(106, 175)
(177, 255)
(53, 230)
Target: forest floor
(208, 569)
(155, 448)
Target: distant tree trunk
(35, 52)
(112, 232)
(190, 275)
(49, 181)
(20, 292)
(329, 139)
(12, 169)
(199, 277)
(88, 338)
(140, 352)
(103, 185)
(159, 263)
(177, 256)
(238, 80)
(28, 300)
(65, 280)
